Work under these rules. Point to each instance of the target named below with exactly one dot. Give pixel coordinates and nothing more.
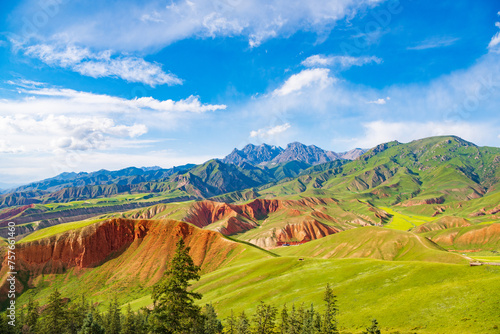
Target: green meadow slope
(405, 297)
(376, 243)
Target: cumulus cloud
(306, 78)
(48, 119)
(270, 131)
(341, 62)
(50, 132)
(102, 64)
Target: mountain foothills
(392, 229)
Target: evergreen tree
(243, 324)
(294, 322)
(317, 323)
(91, 325)
(330, 316)
(264, 318)
(308, 322)
(231, 324)
(373, 329)
(76, 315)
(32, 316)
(54, 315)
(141, 320)
(212, 324)
(129, 325)
(113, 317)
(284, 321)
(174, 310)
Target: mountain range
(271, 155)
(253, 166)
(431, 170)
(406, 220)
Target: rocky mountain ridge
(269, 155)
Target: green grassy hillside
(405, 297)
(376, 243)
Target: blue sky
(87, 85)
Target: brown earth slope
(479, 237)
(144, 245)
(442, 224)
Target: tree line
(174, 311)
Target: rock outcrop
(145, 244)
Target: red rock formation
(234, 226)
(204, 213)
(307, 230)
(148, 245)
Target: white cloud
(52, 119)
(469, 96)
(102, 64)
(49, 132)
(265, 133)
(56, 100)
(22, 169)
(436, 42)
(154, 25)
(495, 40)
(342, 62)
(380, 131)
(306, 78)
(6, 146)
(379, 101)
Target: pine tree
(32, 316)
(141, 320)
(129, 325)
(76, 315)
(373, 329)
(284, 321)
(330, 316)
(243, 324)
(54, 320)
(317, 323)
(308, 322)
(113, 317)
(91, 325)
(212, 324)
(231, 324)
(294, 323)
(264, 318)
(174, 310)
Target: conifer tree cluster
(174, 312)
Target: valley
(393, 231)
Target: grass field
(405, 297)
(373, 242)
(404, 222)
(58, 229)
